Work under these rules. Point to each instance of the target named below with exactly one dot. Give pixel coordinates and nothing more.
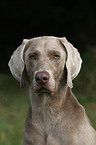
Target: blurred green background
(76, 20)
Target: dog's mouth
(43, 90)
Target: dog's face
(43, 58)
(44, 61)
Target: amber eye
(32, 56)
(56, 56)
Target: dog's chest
(45, 118)
(51, 126)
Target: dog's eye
(56, 56)
(32, 56)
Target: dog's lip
(42, 89)
(42, 86)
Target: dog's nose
(42, 77)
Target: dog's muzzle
(43, 82)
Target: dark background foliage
(19, 19)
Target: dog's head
(44, 60)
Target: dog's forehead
(46, 43)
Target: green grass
(14, 101)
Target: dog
(49, 64)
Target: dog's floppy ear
(73, 63)
(16, 63)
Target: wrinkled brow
(54, 51)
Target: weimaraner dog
(55, 117)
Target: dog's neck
(48, 99)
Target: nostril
(45, 79)
(37, 79)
